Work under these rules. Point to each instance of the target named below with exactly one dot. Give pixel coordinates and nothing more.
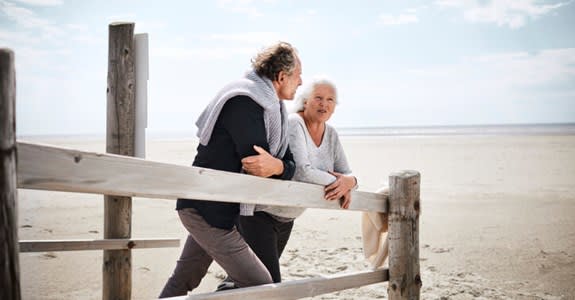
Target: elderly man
(243, 129)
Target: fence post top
(6, 51)
(121, 23)
(405, 174)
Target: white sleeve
(340, 162)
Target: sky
(395, 63)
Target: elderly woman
(319, 159)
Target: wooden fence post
(9, 260)
(404, 208)
(120, 136)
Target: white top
(312, 162)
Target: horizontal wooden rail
(298, 288)
(59, 169)
(109, 244)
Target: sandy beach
(498, 222)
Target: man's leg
(228, 249)
(190, 269)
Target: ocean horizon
(382, 131)
(489, 129)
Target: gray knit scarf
(260, 90)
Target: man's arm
(243, 119)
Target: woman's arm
(345, 182)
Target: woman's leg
(260, 233)
(284, 231)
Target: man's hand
(340, 187)
(263, 164)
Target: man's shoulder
(242, 102)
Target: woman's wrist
(352, 182)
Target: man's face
(288, 84)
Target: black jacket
(240, 125)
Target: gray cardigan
(312, 162)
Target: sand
(498, 222)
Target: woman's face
(321, 104)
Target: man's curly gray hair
(270, 61)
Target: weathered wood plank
(120, 139)
(87, 244)
(59, 169)
(298, 288)
(9, 260)
(404, 208)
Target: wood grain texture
(298, 288)
(404, 208)
(59, 169)
(120, 139)
(9, 260)
(91, 244)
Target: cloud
(511, 13)
(304, 17)
(11, 38)
(208, 53)
(499, 88)
(405, 18)
(29, 30)
(21, 15)
(248, 37)
(29, 20)
(512, 72)
(126, 17)
(42, 2)
(491, 78)
(530, 69)
(247, 7)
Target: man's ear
(281, 76)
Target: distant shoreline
(441, 130)
(397, 131)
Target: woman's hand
(263, 164)
(340, 187)
(345, 201)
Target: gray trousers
(206, 244)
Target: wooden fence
(119, 177)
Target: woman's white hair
(308, 90)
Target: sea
(399, 131)
(502, 129)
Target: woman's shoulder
(295, 119)
(331, 133)
(330, 129)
